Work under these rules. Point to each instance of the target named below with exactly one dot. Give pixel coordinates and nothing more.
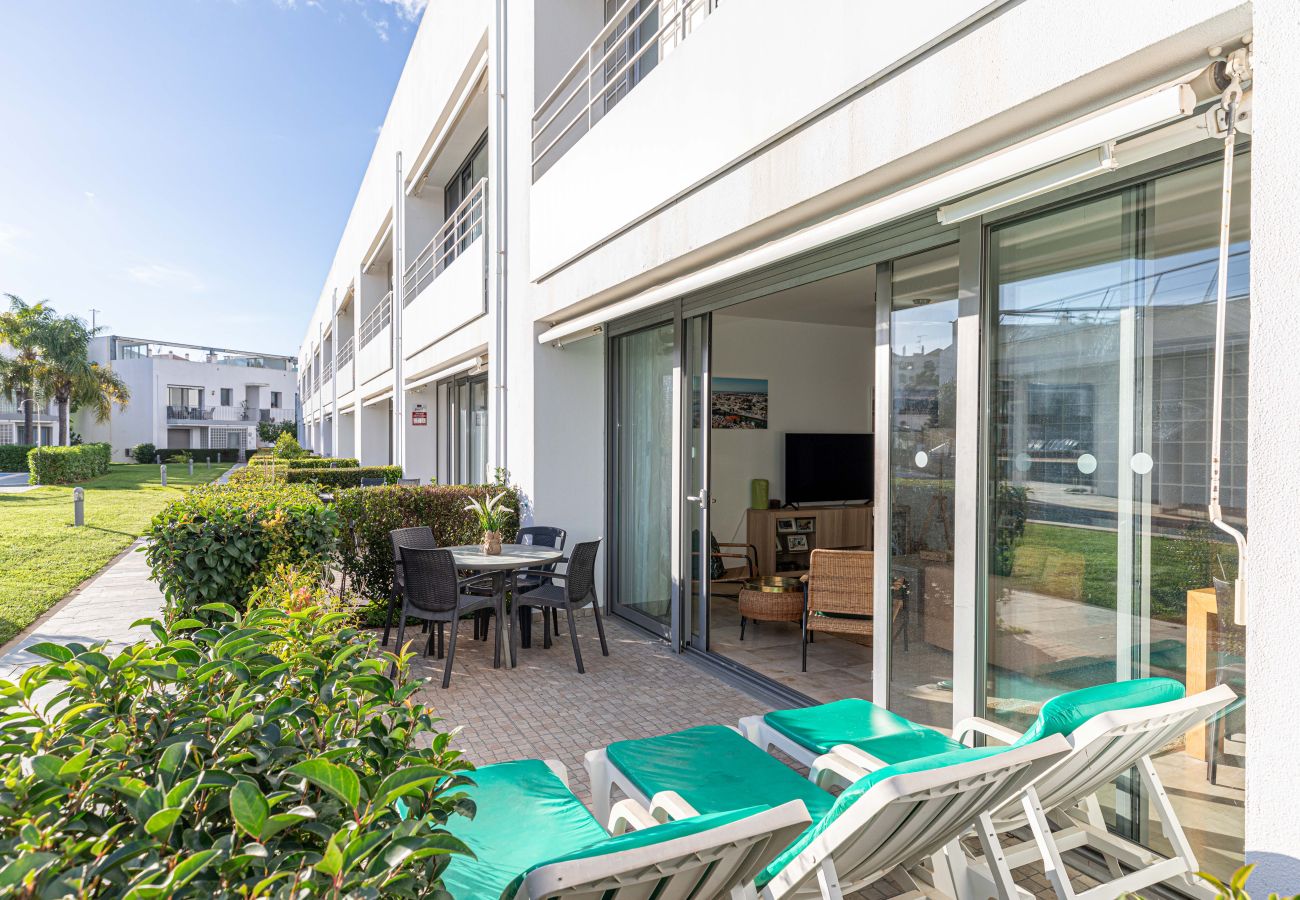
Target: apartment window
(227, 397)
(275, 399)
(184, 396)
(471, 171)
(464, 404)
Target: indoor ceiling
(846, 299)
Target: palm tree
(23, 328)
(65, 372)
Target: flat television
(827, 468)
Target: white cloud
(407, 9)
(161, 275)
(380, 25)
(9, 237)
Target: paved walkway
(14, 483)
(102, 610)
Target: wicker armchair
(838, 597)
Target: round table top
(512, 556)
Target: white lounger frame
(1101, 749)
(898, 823)
(757, 731)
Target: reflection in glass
(923, 442)
(1101, 561)
(644, 460)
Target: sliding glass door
(1101, 561)
(644, 372)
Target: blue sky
(186, 166)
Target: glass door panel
(1100, 558)
(696, 506)
(923, 443)
(643, 466)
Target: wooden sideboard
(832, 528)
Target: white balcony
(345, 369)
(446, 284)
(375, 341)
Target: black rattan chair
(421, 536)
(372, 482)
(409, 482)
(538, 536)
(432, 592)
(578, 589)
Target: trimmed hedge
(68, 465)
(144, 453)
(270, 755)
(366, 515)
(13, 457)
(315, 462)
(200, 455)
(341, 478)
(220, 542)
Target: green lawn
(43, 557)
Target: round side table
(769, 606)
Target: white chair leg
(750, 727)
(744, 892)
(996, 861)
(1056, 873)
(1169, 824)
(602, 788)
(1092, 810)
(828, 881)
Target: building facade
(189, 397)
(978, 244)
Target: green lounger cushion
(526, 814)
(714, 769)
(860, 787)
(1066, 712)
(885, 735)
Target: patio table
(511, 557)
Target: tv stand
(832, 528)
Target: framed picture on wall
(785, 526)
(739, 403)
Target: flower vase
(492, 543)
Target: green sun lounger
(532, 838)
(1110, 729)
(897, 817)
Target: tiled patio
(544, 709)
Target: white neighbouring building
(190, 397)
(980, 238)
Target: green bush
(221, 542)
(263, 755)
(144, 453)
(269, 432)
(13, 457)
(366, 515)
(314, 462)
(68, 465)
(199, 454)
(287, 447)
(341, 478)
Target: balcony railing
(633, 41)
(327, 372)
(346, 349)
(379, 319)
(462, 228)
(215, 413)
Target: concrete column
(1272, 761)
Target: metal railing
(379, 319)
(188, 413)
(327, 371)
(462, 228)
(633, 41)
(346, 350)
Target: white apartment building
(190, 397)
(948, 277)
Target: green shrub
(287, 447)
(13, 457)
(199, 455)
(221, 542)
(68, 465)
(340, 478)
(144, 453)
(261, 756)
(314, 462)
(366, 515)
(269, 432)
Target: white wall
(819, 380)
(1272, 762)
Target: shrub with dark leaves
(268, 755)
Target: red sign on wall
(419, 417)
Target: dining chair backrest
(430, 578)
(580, 576)
(543, 536)
(372, 482)
(409, 482)
(420, 536)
